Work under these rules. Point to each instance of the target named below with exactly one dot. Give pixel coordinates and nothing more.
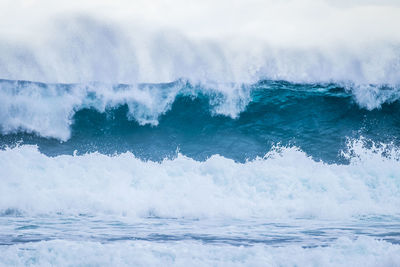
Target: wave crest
(48, 109)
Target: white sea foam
(286, 184)
(344, 252)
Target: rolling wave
(155, 120)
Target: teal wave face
(319, 119)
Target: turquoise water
(317, 118)
(271, 173)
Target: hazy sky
(302, 21)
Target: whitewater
(222, 133)
(121, 210)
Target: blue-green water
(216, 174)
(317, 118)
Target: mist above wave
(85, 48)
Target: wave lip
(48, 109)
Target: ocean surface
(199, 133)
(189, 174)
